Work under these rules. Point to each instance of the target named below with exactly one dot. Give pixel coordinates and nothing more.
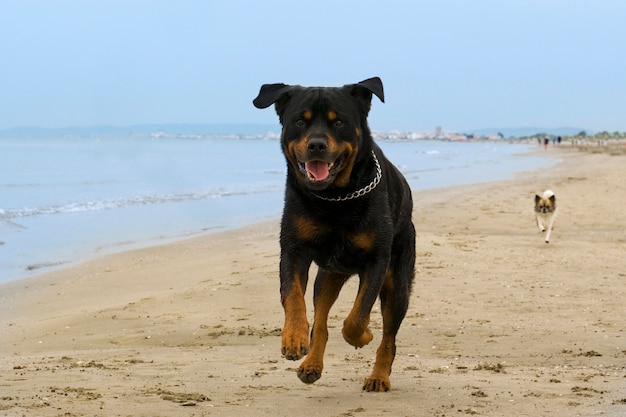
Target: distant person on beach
(558, 140)
(546, 142)
(554, 140)
(539, 141)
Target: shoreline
(88, 235)
(499, 322)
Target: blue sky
(454, 63)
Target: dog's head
(324, 128)
(545, 203)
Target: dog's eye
(300, 123)
(338, 122)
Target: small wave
(34, 267)
(414, 171)
(13, 186)
(7, 215)
(5, 221)
(408, 172)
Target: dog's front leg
(355, 326)
(327, 288)
(540, 224)
(295, 334)
(550, 226)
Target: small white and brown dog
(545, 212)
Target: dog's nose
(317, 144)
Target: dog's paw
(373, 384)
(295, 345)
(309, 373)
(294, 353)
(357, 338)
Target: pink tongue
(319, 169)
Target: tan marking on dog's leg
(295, 334)
(379, 381)
(355, 330)
(327, 290)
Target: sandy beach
(500, 323)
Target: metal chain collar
(363, 191)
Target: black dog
(348, 209)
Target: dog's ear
(537, 198)
(373, 85)
(552, 199)
(269, 94)
(363, 91)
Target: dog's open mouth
(318, 170)
(321, 173)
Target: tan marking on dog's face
(297, 151)
(316, 118)
(545, 205)
(351, 150)
(291, 153)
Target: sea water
(67, 199)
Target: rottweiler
(348, 209)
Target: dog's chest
(341, 250)
(340, 255)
